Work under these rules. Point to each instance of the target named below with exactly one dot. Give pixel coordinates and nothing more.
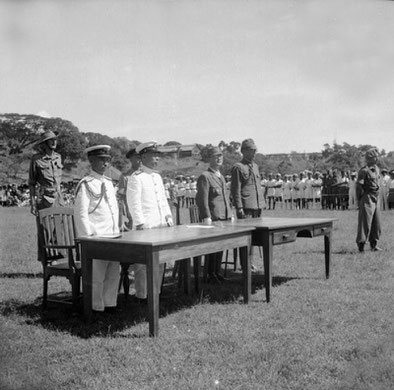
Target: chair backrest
(58, 229)
(194, 214)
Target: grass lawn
(315, 333)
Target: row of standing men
(97, 210)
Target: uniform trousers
(352, 199)
(105, 281)
(252, 213)
(140, 280)
(369, 227)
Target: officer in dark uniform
(45, 176)
(367, 192)
(246, 191)
(135, 162)
(214, 205)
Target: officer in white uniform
(96, 213)
(148, 206)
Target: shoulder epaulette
(239, 165)
(36, 156)
(86, 179)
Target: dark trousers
(214, 263)
(369, 227)
(252, 213)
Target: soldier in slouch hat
(45, 176)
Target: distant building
(293, 155)
(181, 151)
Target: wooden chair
(61, 252)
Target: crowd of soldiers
(306, 190)
(330, 190)
(14, 195)
(18, 195)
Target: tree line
(19, 134)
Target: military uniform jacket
(46, 171)
(368, 182)
(212, 198)
(246, 186)
(146, 199)
(96, 207)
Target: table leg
(153, 274)
(186, 276)
(196, 270)
(267, 256)
(125, 279)
(327, 253)
(86, 268)
(247, 272)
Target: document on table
(200, 226)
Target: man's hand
(169, 220)
(33, 209)
(240, 214)
(207, 221)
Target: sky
(293, 75)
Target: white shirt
(308, 188)
(146, 199)
(96, 208)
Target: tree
(344, 157)
(20, 131)
(205, 152)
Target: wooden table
(155, 246)
(278, 231)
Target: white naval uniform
(149, 207)
(96, 213)
(287, 190)
(308, 188)
(384, 191)
(316, 189)
(353, 202)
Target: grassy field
(315, 334)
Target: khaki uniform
(369, 227)
(213, 202)
(46, 173)
(246, 189)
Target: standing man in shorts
(45, 176)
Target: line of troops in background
(305, 190)
(297, 191)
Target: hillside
(19, 133)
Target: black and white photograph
(196, 194)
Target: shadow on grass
(66, 318)
(20, 275)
